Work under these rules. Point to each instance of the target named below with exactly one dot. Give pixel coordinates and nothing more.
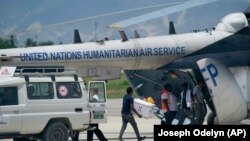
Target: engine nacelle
(232, 23)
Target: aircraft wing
(160, 13)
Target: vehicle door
(97, 101)
(10, 110)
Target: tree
(47, 43)
(8, 43)
(30, 43)
(13, 40)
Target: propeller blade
(160, 13)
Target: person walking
(199, 104)
(127, 116)
(186, 104)
(168, 104)
(93, 127)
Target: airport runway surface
(112, 128)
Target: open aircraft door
(226, 94)
(97, 101)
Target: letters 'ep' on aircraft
(221, 56)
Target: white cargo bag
(144, 108)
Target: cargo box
(144, 108)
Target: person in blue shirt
(127, 116)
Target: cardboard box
(144, 108)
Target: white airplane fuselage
(215, 51)
(142, 53)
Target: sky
(19, 15)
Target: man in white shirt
(97, 131)
(94, 97)
(168, 103)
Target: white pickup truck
(37, 106)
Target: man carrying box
(127, 116)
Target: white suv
(47, 107)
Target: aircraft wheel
(211, 118)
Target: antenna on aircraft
(171, 28)
(136, 34)
(77, 38)
(123, 36)
(96, 31)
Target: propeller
(160, 13)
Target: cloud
(165, 21)
(34, 26)
(110, 33)
(60, 33)
(86, 37)
(181, 18)
(40, 10)
(10, 29)
(149, 29)
(100, 34)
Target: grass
(117, 88)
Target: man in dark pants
(168, 104)
(186, 104)
(127, 116)
(199, 104)
(94, 128)
(97, 131)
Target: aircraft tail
(230, 105)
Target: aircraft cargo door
(97, 101)
(230, 105)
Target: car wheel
(56, 131)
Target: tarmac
(112, 128)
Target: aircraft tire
(211, 118)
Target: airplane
(220, 56)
